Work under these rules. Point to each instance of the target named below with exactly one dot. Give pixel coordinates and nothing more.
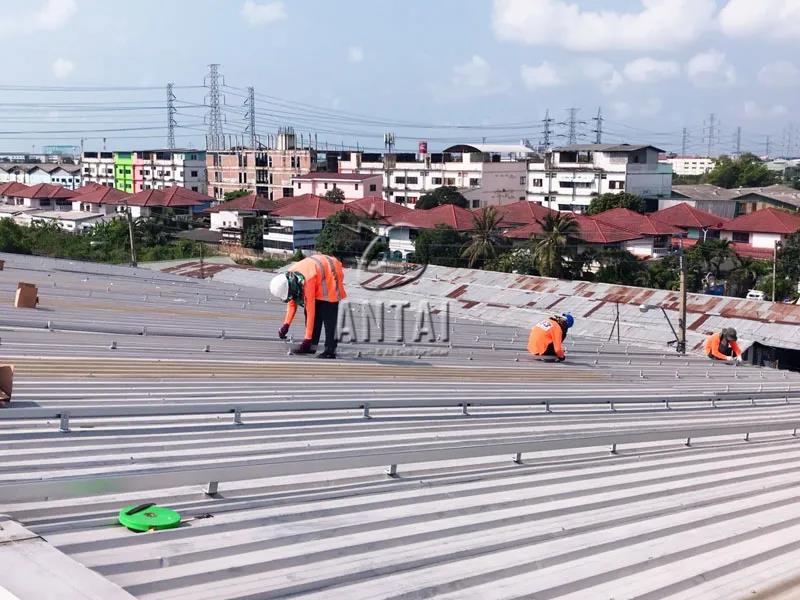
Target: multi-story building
(265, 172)
(140, 170)
(689, 165)
(487, 174)
(354, 186)
(66, 175)
(568, 178)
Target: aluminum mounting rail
(317, 462)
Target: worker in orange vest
(546, 337)
(722, 346)
(317, 284)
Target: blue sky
(351, 70)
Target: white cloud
(777, 19)
(355, 54)
(63, 68)
(603, 73)
(648, 70)
(476, 76)
(649, 107)
(779, 74)
(47, 16)
(754, 110)
(710, 69)
(262, 14)
(666, 23)
(542, 76)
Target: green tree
(441, 245)
(746, 275)
(518, 260)
(789, 258)
(343, 236)
(336, 195)
(442, 195)
(486, 238)
(619, 266)
(608, 201)
(254, 236)
(783, 288)
(745, 171)
(235, 194)
(711, 256)
(551, 253)
(12, 237)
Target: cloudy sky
(442, 71)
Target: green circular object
(151, 517)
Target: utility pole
(129, 217)
(388, 161)
(681, 346)
(250, 103)
(216, 139)
(547, 131)
(684, 141)
(777, 247)
(598, 130)
(170, 117)
(712, 132)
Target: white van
(755, 295)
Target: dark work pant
(327, 313)
(549, 351)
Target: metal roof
(606, 148)
(462, 520)
(491, 148)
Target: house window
(537, 183)
(356, 187)
(298, 185)
(194, 188)
(399, 179)
(166, 173)
(326, 186)
(412, 199)
(194, 173)
(436, 180)
(741, 237)
(412, 180)
(522, 180)
(474, 182)
(372, 187)
(450, 181)
(400, 199)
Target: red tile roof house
(522, 212)
(354, 186)
(760, 230)
(99, 199)
(591, 232)
(180, 201)
(405, 227)
(654, 237)
(698, 224)
(295, 222)
(42, 196)
(234, 217)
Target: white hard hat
(279, 287)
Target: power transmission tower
(766, 149)
(250, 103)
(170, 117)
(684, 141)
(598, 129)
(711, 132)
(738, 141)
(216, 139)
(572, 124)
(547, 131)
(788, 141)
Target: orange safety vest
(324, 280)
(543, 334)
(712, 347)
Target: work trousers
(327, 314)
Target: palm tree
(486, 237)
(721, 252)
(550, 248)
(746, 275)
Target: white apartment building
(159, 169)
(568, 178)
(65, 175)
(487, 174)
(98, 167)
(354, 186)
(689, 165)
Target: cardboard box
(27, 295)
(2, 264)
(6, 383)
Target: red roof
(12, 188)
(524, 232)
(102, 194)
(377, 208)
(322, 175)
(445, 214)
(739, 248)
(45, 191)
(519, 213)
(593, 231)
(625, 218)
(249, 202)
(171, 196)
(686, 216)
(766, 220)
(307, 205)
(89, 187)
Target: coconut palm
(550, 249)
(746, 275)
(486, 238)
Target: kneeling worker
(723, 346)
(317, 284)
(546, 336)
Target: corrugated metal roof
(656, 519)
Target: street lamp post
(777, 247)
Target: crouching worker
(546, 337)
(317, 284)
(723, 346)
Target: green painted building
(123, 171)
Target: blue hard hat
(568, 318)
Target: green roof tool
(148, 517)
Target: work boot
(326, 354)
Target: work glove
(283, 331)
(738, 360)
(561, 358)
(304, 347)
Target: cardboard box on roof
(27, 295)
(6, 383)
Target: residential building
(178, 201)
(688, 165)
(486, 174)
(296, 222)
(591, 232)
(99, 199)
(762, 228)
(788, 168)
(136, 171)
(402, 229)
(98, 167)
(65, 175)
(8, 191)
(73, 221)
(266, 172)
(654, 236)
(568, 178)
(521, 212)
(697, 224)
(750, 200)
(231, 214)
(704, 197)
(42, 196)
(354, 186)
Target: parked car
(755, 295)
